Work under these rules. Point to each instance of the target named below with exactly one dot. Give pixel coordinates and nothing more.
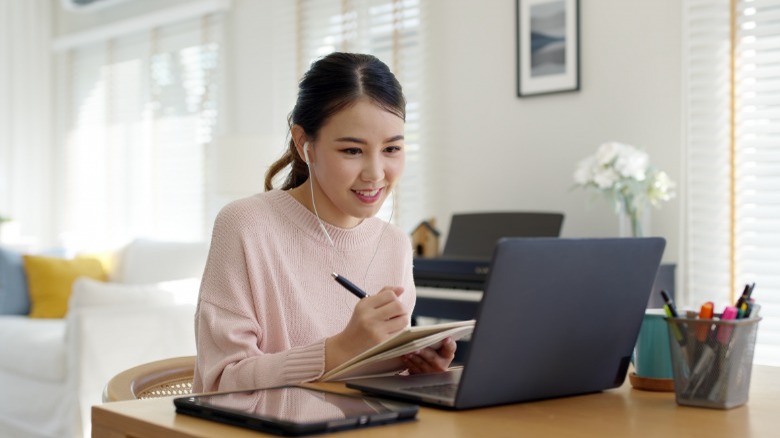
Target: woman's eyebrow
(352, 140)
(362, 141)
(394, 138)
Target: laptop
(558, 317)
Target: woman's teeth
(367, 193)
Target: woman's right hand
(374, 319)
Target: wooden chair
(157, 379)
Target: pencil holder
(712, 360)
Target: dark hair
(333, 83)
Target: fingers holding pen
(386, 300)
(382, 312)
(374, 319)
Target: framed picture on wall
(548, 46)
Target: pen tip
(334, 275)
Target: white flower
(623, 174)
(661, 188)
(606, 178)
(632, 163)
(607, 152)
(584, 172)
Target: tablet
(295, 410)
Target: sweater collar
(343, 238)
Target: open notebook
(385, 357)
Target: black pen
(670, 304)
(745, 295)
(741, 298)
(676, 327)
(350, 286)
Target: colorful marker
(744, 298)
(703, 328)
(669, 304)
(724, 332)
(671, 312)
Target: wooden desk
(619, 412)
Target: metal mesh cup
(712, 360)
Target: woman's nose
(373, 169)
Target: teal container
(652, 355)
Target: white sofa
(53, 370)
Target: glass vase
(634, 222)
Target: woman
(269, 312)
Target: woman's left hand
(430, 360)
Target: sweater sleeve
(229, 335)
(229, 358)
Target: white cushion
(33, 347)
(185, 291)
(88, 292)
(149, 261)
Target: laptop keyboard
(444, 390)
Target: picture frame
(548, 47)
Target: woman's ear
(300, 139)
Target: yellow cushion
(50, 279)
(106, 258)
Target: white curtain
(25, 119)
(139, 116)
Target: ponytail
(299, 171)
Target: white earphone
(311, 187)
(306, 152)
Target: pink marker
(724, 332)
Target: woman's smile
(368, 196)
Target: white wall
(495, 151)
(491, 149)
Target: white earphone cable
(376, 250)
(311, 189)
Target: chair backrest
(474, 235)
(156, 379)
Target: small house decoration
(425, 239)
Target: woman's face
(356, 159)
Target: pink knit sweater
(267, 299)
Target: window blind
(757, 162)
(707, 188)
(733, 157)
(142, 112)
(391, 31)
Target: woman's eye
(352, 151)
(393, 149)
